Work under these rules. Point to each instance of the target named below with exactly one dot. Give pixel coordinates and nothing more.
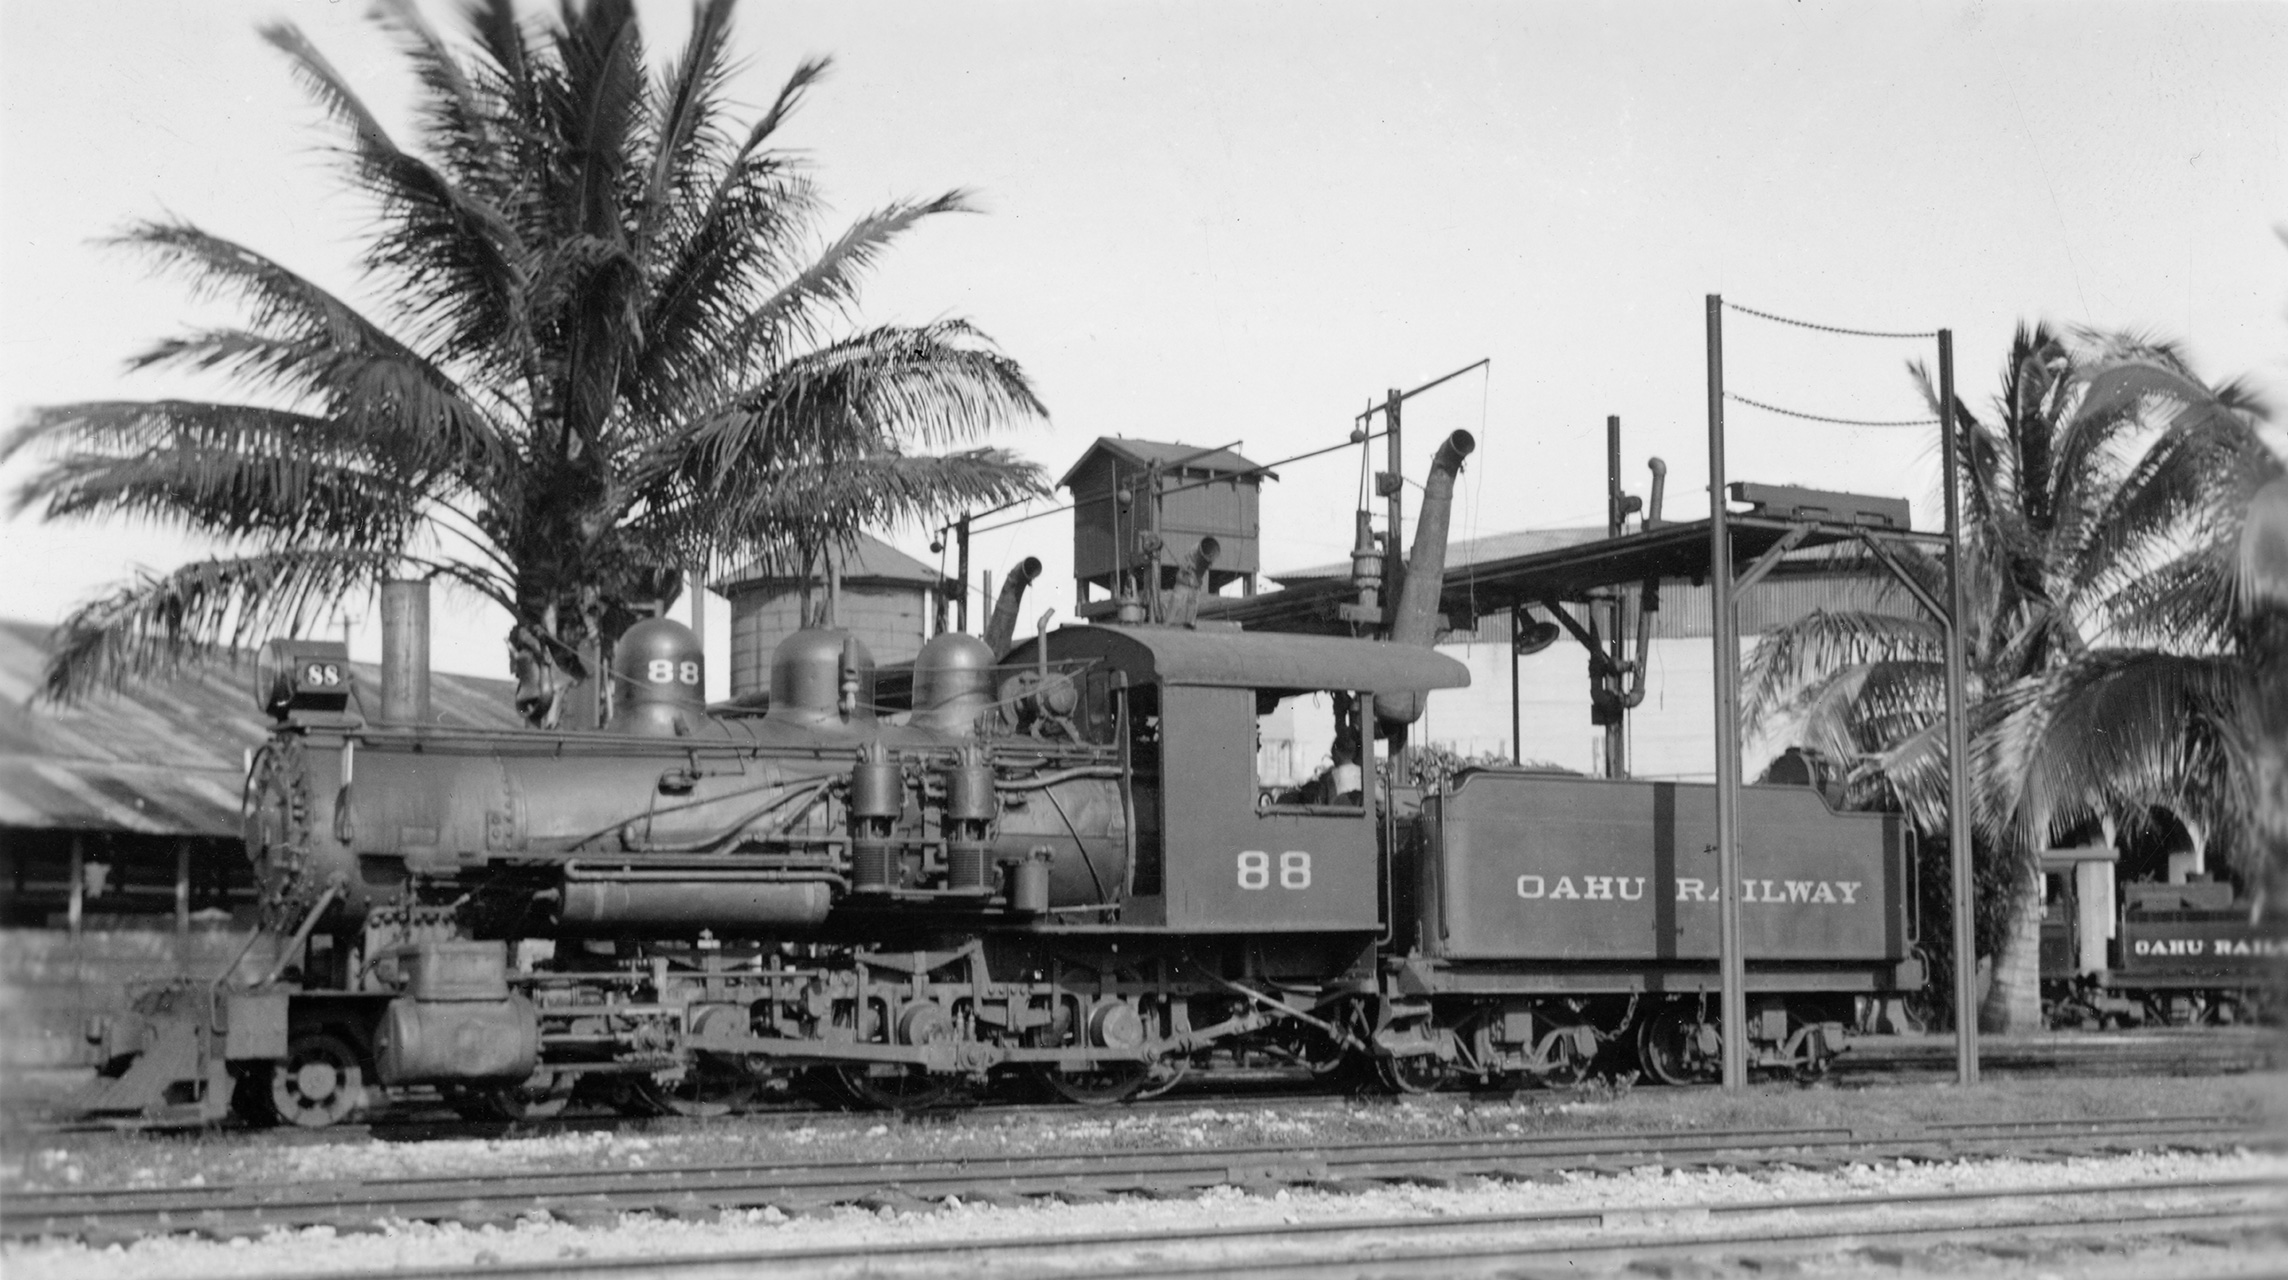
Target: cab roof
(1253, 660)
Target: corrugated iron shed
(164, 757)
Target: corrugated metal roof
(1143, 453)
(1465, 553)
(870, 560)
(165, 756)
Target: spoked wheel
(711, 1086)
(897, 1089)
(1097, 1086)
(1668, 1047)
(1416, 1073)
(321, 1082)
(543, 1097)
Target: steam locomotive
(1051, 858)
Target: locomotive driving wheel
(1099, 1086)
(711, 1086)
(320, 1082)
(543, 1097)
(893, 1088)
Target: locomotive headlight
(302, 675)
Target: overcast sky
(1215, 222)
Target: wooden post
(78, 907)
(182, 887)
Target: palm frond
(201, 612)
(453, 253)
(1790, 657)
(241, 473)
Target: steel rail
(1334, 1246)
(247, 1208)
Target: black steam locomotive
(1057, 861)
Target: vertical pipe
(961, 573)
(1615, 764)
(405, 651)
(1516, 721)
(1394, 550)
(697, 584)
(1957, 738)
(182, 887)
(1732, 972)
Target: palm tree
(2105, 662)
(612, 346)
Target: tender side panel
(1572, 869)
(2203, 948)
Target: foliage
(2107, 657)
(612, 346)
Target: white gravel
(321, 1250)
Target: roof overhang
(1238, 659)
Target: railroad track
(599, 1197)
(1894, 1231)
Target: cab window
(1307, 750)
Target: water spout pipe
(1001, 629)
(1416, 619)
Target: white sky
(1210, 222)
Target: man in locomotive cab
(1344, 782)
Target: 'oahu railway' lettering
(1844, 893)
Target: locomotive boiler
(1057, 861)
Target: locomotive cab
(1218, 850)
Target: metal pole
(1731, 972)
(961, 572)
(1516, 722)
(1611, 680)
(1957, 738)
(1394, 552)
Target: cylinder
(1029, 883)
(969, 795)
(405, 652)
(873, 866)
(666, 906)
(877, 787)
(807, 673)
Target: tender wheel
(1669, 1049)
(711, 1087)
(321, 1082)
(1098, 1086)
(895, 1089)
(1416, 1073)
(543, 1097)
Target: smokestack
(405, 652)
(1001, 631)
(1416, 619)
(1184, 602)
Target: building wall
(892, 622)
